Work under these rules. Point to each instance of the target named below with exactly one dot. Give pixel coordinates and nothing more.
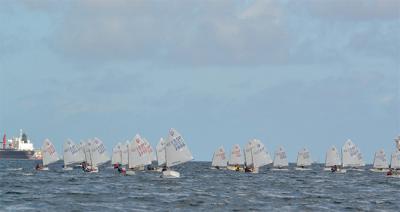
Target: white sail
(161, 152)
(219, 159)
(351, 155)
(236, 156)
(256, 156)
(176, 150)
(304, 158)
(332, 157)
(98, 152)
(124, 152)
(85, 147)
(116, 157)
(380, 161)
(49, 153)
(138, 153)
(150, 151)
(280, 159)
(72, 153)
(395, 160)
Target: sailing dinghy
(332, 160)
(138, 155)
(380, 163)
(351, 157)
(219, 160)
(116, 158)
(236, 160)
(303, 160)
(97, 154)
(280, 160)
(49, 155)
(256, 156)
(160, 148)
(394, 170)
(72, 154)
(176, 152)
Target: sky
(290, 73)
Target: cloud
(355, 10)
(177, 32)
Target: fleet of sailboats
(138, 154)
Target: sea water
(199, 189)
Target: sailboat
(219, 160)
(303, 160)
(176, 152)
(124, 153)
(256, 156)
(72, 154)
(49, 155)
(380, 163)
(395, 160)
(236, 160)
(333, 160)
(138, 155)
(160, 148)
(116, 158)
(151, 155)
(280, 160)
(97, 155)
(351, 156)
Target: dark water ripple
(200, 188)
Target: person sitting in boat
(84, 165)
(116, 166)
(302, 167)
(390, 172)
(151, 167)
(237, 167)
(217, 167)
(164, 168)
(248, 169)
(39, 166)
(334, 168)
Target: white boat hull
(379, 170)
(130, 172)
(68, 168)
(170, 174)
(302, 169)
(280, 169)
(232, 168)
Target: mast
(252, 158)
(90, 154)
(165, 153)
(4, 141)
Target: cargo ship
(19, 148)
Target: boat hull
(170, 174)
(16, 154)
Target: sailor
(390, 172)
(334, 168)
(217, 167)
(237, 167)
(39, 166)
(164, 168)
(247, 169)
(302, 167)
(116, 166)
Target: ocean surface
(199, 189)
